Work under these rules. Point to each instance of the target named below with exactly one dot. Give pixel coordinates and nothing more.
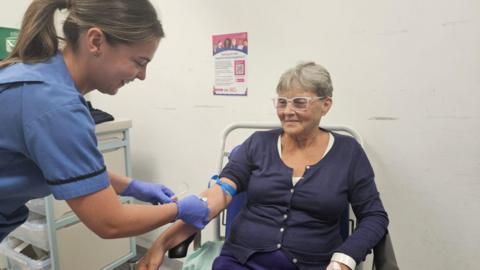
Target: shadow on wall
(145, 166)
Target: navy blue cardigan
(303, 220)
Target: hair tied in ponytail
(65, 4)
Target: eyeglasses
(298, 103)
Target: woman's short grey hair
(307, 76)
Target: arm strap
(225, 187)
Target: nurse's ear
(96, 41)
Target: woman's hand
(154, 257)
(337, 266)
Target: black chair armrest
(384, 255)
(180, 250)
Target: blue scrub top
(47, 139)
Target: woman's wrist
(333, 265)
(160, 245)
(344, 259)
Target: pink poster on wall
(230, 53)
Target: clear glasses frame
(298, 103)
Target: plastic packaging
(33, 231)
(37, 206)
(24, 256)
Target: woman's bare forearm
(217, 201)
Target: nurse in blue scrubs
(47, 136)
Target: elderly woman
(299, 180)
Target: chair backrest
(383, 255)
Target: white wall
(405, 74)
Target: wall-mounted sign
(230, 60)
(8, 38)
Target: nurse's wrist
(175, 210)
(119, 182)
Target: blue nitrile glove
(193, 210)
(148, 192)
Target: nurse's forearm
(103, 213)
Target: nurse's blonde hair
(122, 22)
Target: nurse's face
(121, 64)
(107, 67)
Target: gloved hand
(148, 192)
(193, 210)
